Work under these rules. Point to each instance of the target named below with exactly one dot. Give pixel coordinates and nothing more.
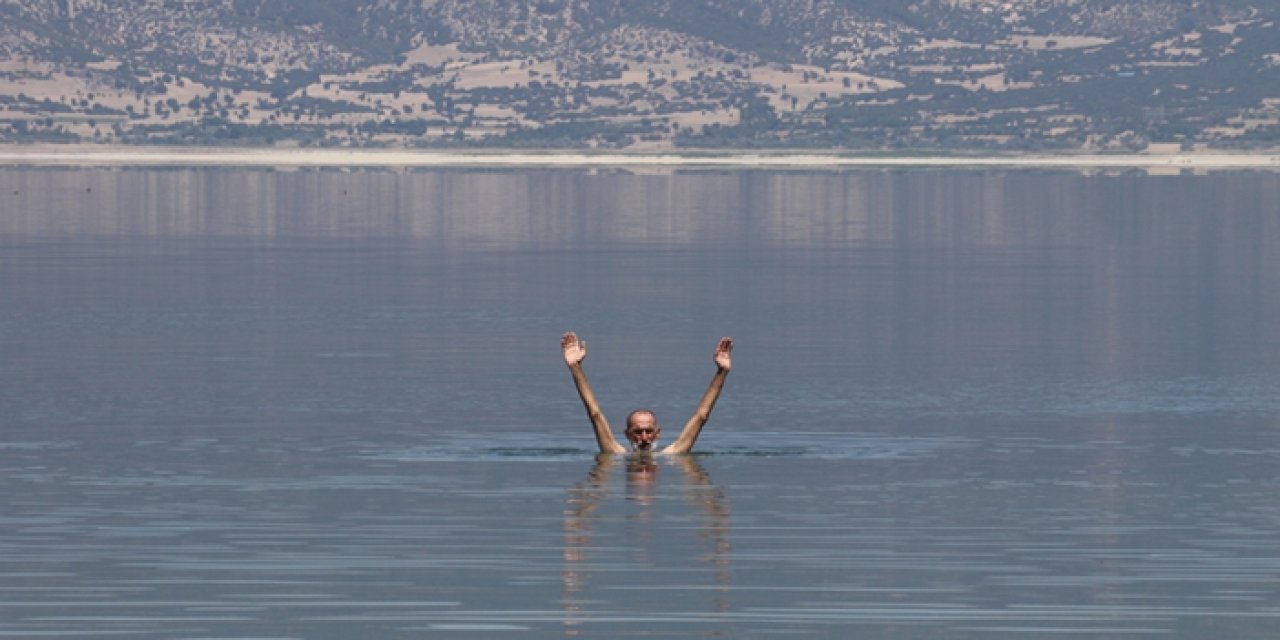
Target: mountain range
(896, 75)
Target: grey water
(331, 404)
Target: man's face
(643, 431)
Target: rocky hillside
(866, 74)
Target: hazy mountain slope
(950, 73)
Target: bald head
(642, 429)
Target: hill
(866, 74)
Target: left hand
(722, 353)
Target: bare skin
(642, 426)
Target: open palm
(575, 350)
(722, 353)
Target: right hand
(722, 357)
(575, 350)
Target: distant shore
(98, 155)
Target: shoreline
(92, 155)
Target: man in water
(642, 426)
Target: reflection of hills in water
(559, 208)
(810, 445)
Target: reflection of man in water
(642, 426)
(583, 517)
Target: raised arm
(693, 428)
(574, 352)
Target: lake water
(323, 404)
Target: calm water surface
(319, 404)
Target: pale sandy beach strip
(82, 155)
